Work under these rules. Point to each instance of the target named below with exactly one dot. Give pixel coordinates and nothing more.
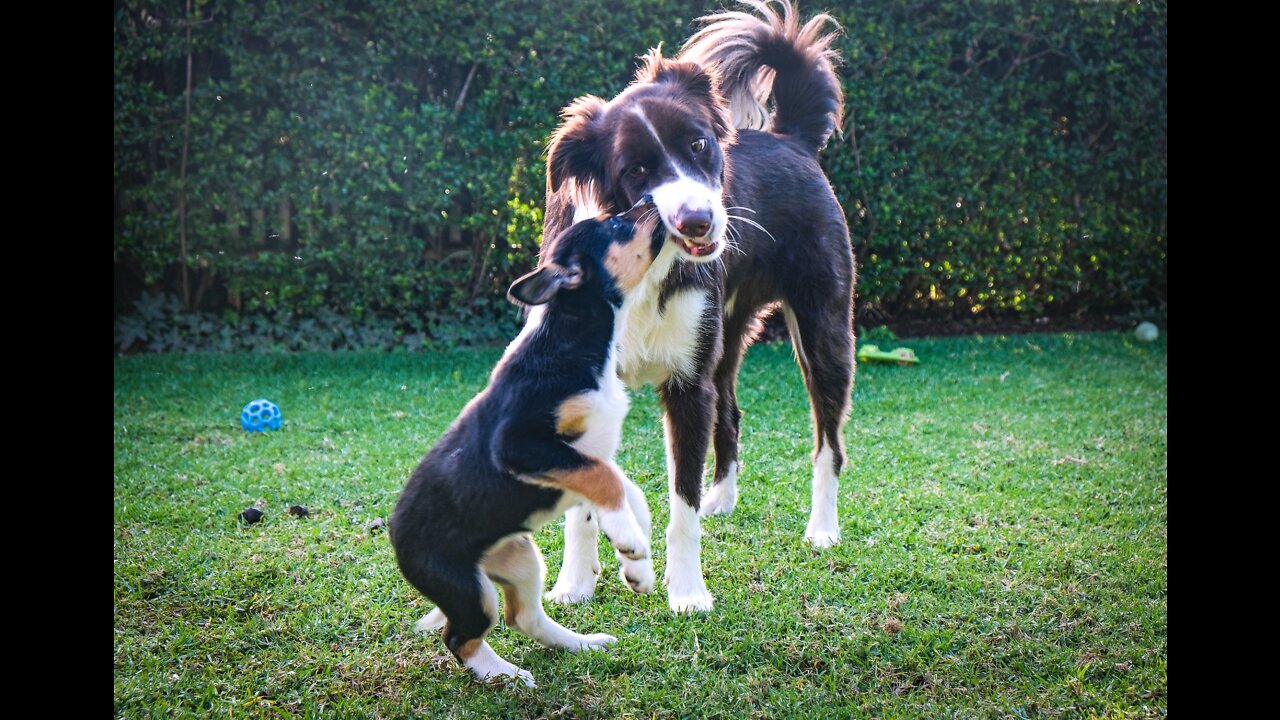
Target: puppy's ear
(539, 286)
(575, 148)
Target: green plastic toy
(902, 356)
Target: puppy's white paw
(596, 641)
(638, 549)
(637, 574)
(433, 620)
(488, 667)
(624, 534)
(525, 677)
(516, 675)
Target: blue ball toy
(260, 415)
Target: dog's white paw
(719, 500)
(688, 593)
(723, 496)
(637, 574)
(822, 538)
(433, 620)
(595, 641)
(690, 602)
(569, 590)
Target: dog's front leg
(687, 423)
(577, 579)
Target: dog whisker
(760, 227)
(732, 240)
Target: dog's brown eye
(637, 170)
(698, 145)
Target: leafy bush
(382, 163)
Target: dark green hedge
(380, 164)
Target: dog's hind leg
(517, 566)
(821, 331)
(577, 579)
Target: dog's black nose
(693, 223)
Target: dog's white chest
(657, 344)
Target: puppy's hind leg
(468, 603)
(517, 566)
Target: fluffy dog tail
(766, 53)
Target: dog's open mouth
(697, 250)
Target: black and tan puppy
(539, 439)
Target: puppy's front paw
(638, 551)
(637, 574)
(596, 641)
(624, 534)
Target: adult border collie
(752, 221)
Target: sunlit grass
(1005, 524)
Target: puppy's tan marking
(468, 649)
(571, 416)
(627, 262)
(597, 482)
(507, 561)
(511, 606)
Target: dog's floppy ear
(574, 150)
(539, 286)
(703, 83)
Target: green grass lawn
(1005, 546)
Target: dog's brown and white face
(660, 137)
